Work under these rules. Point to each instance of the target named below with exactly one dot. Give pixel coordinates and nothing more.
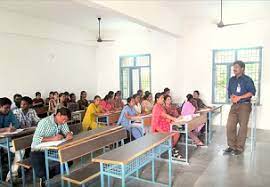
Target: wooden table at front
(185, 127)
(51, 153)
(111, 117)
(5, 140)
(127, 160)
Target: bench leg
(62, 174)
(34, 177)
(153, 169)
(170, 163)
(47, 168)
(67, 171)
(123, 176)
(101, 175)
(23, 176)
(109, 181)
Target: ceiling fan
(99, 39)
(220, 24)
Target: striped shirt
(47, 128)
(27, 119)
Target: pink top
(188, 109)
(106, 106)
(159, 123)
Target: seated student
(49, 98)
(51, 128)
(200, 103)
(16, 101)
(38, 101)
(67, 97)
(89, 120)
(26, 117)
(9, 123)
(137, 106)
(169, 108)
(188, 109)
(72, 105)
(106, 103)
(128, 116)
(140, 93)
(161, 121)
(53, 103)
(147, 103)
(118, 103)
(62, 101)
(166, 91)
(83, 103)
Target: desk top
(197, 120)
(107, 113)
(25, 132)
(81, 137)
(130, 151)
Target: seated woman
(62, 101)
(161, 121)
(169, 108)
(106, 103)
(200, 103)
(89, 120)
(117, 101)
(188, 108)
(72, 105)
(147, 103)
(128, 116)
(83, 103)
(137, 106)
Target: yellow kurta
(89, 120)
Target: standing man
(240, 90)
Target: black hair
(166, 96)
(72, 94)
(27, 99)
(139, 91)
(66, 93)
(135, 95)
(146, 95)
(117, 93)
(157, 96)
(240, 63)
(129, 99)
(97, 97)
(82, 92)
(61, 94)
(110, 93)
(38, 93)
(55, 92)
(107, 97)
(166, 90)
(51, 92)
(64, 112)
(189, 97)
(196, 91)
(16, 95)
(5, 101)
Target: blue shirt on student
(6, 119)
(122, 119)
(240, 86)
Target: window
(135, 74)
(222, 70)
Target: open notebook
(50, 144)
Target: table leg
(9, 162)
(186, 146)
(47, 168)
(123, 176)
(170, 162)
(101, 175)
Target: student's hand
(10, 129)
(174, 119)
(69, 136)
(235, 98)
(58, 137)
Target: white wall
(163, 57)
(39, 55)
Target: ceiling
(70, 13)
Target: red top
(106, 106)
(159, 123)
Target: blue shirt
(6, 119)
(240, 86)
(122, 119)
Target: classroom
(134, 93)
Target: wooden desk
(5, 140)
(111, 117)
(52, 153)
(130, 158)
(185, 127)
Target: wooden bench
(90, 171)
(21, 144)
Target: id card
(238, 89)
